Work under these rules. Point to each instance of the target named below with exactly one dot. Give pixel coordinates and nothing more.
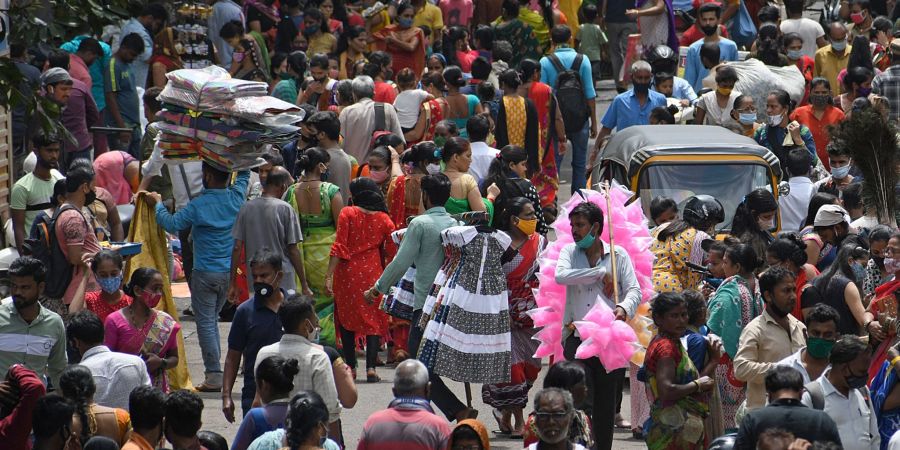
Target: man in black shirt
(784, 386)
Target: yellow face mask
(527, 226)
(724, 91)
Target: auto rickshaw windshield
(726, 182)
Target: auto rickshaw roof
(652, 140)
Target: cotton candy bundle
(613, 342)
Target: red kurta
(359, 242)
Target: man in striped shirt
(408, 423)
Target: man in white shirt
(361, 119)
(841, 392)
(584, 267)
(810, 31)
(300, 341)
(794, 206)
(821, 333)
(482, 154)
(115, 374)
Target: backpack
(380, 125)
(570, 94)
(44, 246)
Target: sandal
(204, 387)
(498, 416)
(621, 422)
(372, 376)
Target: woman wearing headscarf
(356, 262)
(165, 57)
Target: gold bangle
(895, 361)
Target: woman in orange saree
(405, 42)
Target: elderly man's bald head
(411, 379)
(279, 177)
(837, 31)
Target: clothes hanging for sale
(466, 315)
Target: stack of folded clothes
(223, 121)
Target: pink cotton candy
(614, 342)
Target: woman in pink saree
(139, 329)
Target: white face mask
(433, 168)
(776, 120)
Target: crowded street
(449, 224)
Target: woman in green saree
(318, 205)
(734, 305)
(464, 194)
(680, 392)
(511, 28)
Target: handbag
(742, 29)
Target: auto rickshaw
(679, 161)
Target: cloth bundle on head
(830, 215)
(612, 341)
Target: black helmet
(703, 211)
(662, 59)
(725, 442)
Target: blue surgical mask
(587, 241)
(840, 172)
(405, 23)
(839, 45)
(794, 54)
(747, 118)
(110, 285)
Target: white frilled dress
(466, 314)
(401, 300)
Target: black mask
(855, 381)
(263, 290)
(641, 88)
(709, 30)
(90, 197)
(324, 176)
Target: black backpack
(43, 245)
(570, 94)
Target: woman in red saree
(520, 262)
(431, 112)
(405, 42)
(882, 313)
(139, 329)
(553, 131)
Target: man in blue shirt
(631, 107)
(146, 24)
(560, 36)
(211, 216)
(694, 70)
(256, 324)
